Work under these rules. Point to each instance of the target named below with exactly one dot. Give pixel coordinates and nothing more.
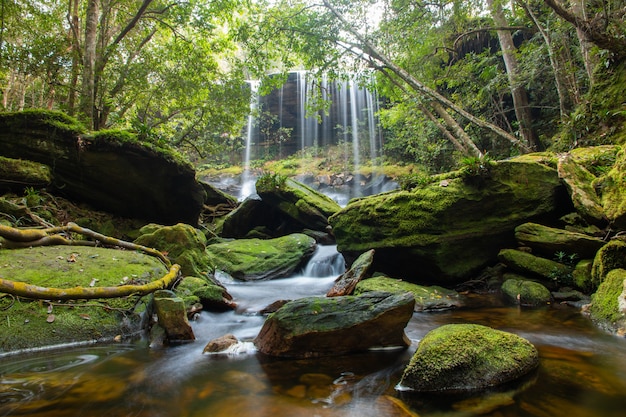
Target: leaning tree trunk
(518, 92)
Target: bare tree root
(21, 238)
(22, 289)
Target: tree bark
(88, 90)
(521, 104)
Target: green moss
(467, 357)
(27, 172)
(526, 292)
(57, 120)
(582, 275)
(611, 256)
(527, 263)
(24, 324)
(605, 302)
(426, 298)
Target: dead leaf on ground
(51, 318)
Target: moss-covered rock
(346, 283)
(579, 183)
(110, 170)
(183, 244)
(549, 241)
(212, 296)
(527, 264)
(464, 357)
(29, 324)
(321, 326)
(613, 186)
(447, 231)
(17, 174)
(611, 256)
(172, 316)
(525, 292)
(256, 259)
(581, 275)
(608, 304)
(303, 204)
(427, 298)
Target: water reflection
(582, 370)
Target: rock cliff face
(111, 171)
(447, 230)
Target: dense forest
(460, 79)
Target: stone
(447, 234)
(427, 298)
(220, 344)
(578, 181)
(467, 357)
(322, 326)
(345, 284)
(106, 169)
(172, 316)
(608, 303)
(549, 240)
(258, 259)
(611, 256)
(614, 192)
(297, 201)
(581, 275)
(254, 216)
(183, 244)
(528, 264)
(210, 293)
(16, 175)
(526, 293)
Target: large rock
(254, 218)
(525, 292)
(466, 357)
(257, 259)
(608, 304)
(611, 256)
(614, 192)
(304, 205)
(347, 282)
(579, 183)
(17, 174)
(111, 171)
(548, 241)
(448, 230)
(172, 316)
(317, 326)
(427, 298)
(527, 264)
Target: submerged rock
(257, 259)
(316, 326)
(427, 298)
(467, 357)
(444, 234)
(526, 293)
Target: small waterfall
(325, 262)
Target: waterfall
(247, 182)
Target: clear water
(582, 371)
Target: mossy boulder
(30, 324)
(182, 243)
(172, 316)
(346, 283)
(613, 186)
(322, 326)
(212, 295)
(299, 202)
(255, 217)
(257, 259)
(467, 357)
(548, 241)
(110, 170)
(611, 256)
(581, 275)
(17, 174)
(427, 298)
(579, 183)
(527, 264)
(525, 292)
(449, 230)
(608, 303)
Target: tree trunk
(589, 59)
(74, 38)
(418, 86)
(87, 100)
(518, 92)
(459, 133)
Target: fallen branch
(22, 289)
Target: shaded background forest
(460, 78)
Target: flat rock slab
(319, 326)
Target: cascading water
(247, 182)
(349, 120)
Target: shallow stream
(582, 371)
